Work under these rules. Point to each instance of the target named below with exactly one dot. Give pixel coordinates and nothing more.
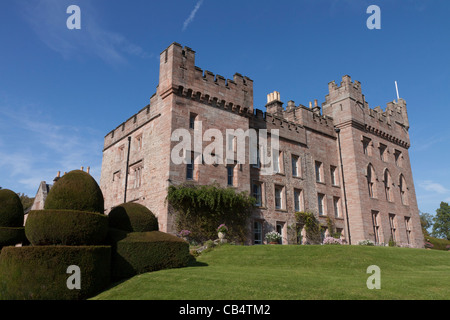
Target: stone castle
(342, 160)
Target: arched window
(371, 181)
(403, 190)
(387, 185)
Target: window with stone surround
(257, 190)
(334, 176)
(376, 226)
(296, 166)
(383, 152)
(192, 119)
(371, 181)
(135, 172)
(393, 227)
(279, 197)
(319, 171)
(190, 167)
(257, 232)
(388, 185)
(408, 229)
(298, 200)
(337, 207)
(367, 146)
(321, 204)
(398, 158)
(139, 142)
(230, 174)
(403, 190)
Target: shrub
(438, 244)
(139, 252)
(11, 236)
(332, 240)
(273, 236)
(40, 273)
(66, 227)
(366, 243)
(202, 208)
(76, 190)
(132, 217)
(11, 209)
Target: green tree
(426, 220)
(27, 202)
(441, 226)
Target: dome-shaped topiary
(11, 209)
(133, 217)
(66, 227)
(76, 190)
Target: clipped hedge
(133, 217)
(11, 236)
(11, 209)
(76, 190)
(139, 252)
(66, 227)
(40, 273)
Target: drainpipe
(337, 130)
(126, 171)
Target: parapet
(178, 70)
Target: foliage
(40, 272)
(441, 226)
(66, 227)
(428, 245)
(139, 252)
(273, 236)
(11, 236)
(132, 217)
(27, 202)
(312, 226)
(332, 241)
(184, 233)
(11, 209)
(366, 243)
(438, 244)
(201, 208)
(76, 190)
(222, 228)
(426, 221)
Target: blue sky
(62, 91)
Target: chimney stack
(274, 105)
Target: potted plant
(221, 231)
(273, 237)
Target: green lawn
(295, 272)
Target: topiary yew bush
(66, 227)
(139, 252)
(11, 209)
(40, 272)
(132, 217)
(11, 236)
(76, 190)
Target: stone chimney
(274, 105)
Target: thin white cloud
(40, 148)
(435, 187)
(192, 15)
(48, 18)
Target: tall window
(295, 166)
(334, 177)
(192, 119)
(230, 175)
(337, 207)
(278, 162)
(383, 149)
(257, 193)
(279, 197)
(280, 231)
(366, 142)
(408, 229)
(139, 142)
(298, 200)
(321, 203)
(392, 226)
(403, 190)
(387, 185)
(371, 181)
(376, 227)
(190, 168)
(398, 158)
(137, 176)
(257, 232)
(318, 168)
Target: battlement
(178, 70)
(127, 127)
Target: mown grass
(273, 272)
